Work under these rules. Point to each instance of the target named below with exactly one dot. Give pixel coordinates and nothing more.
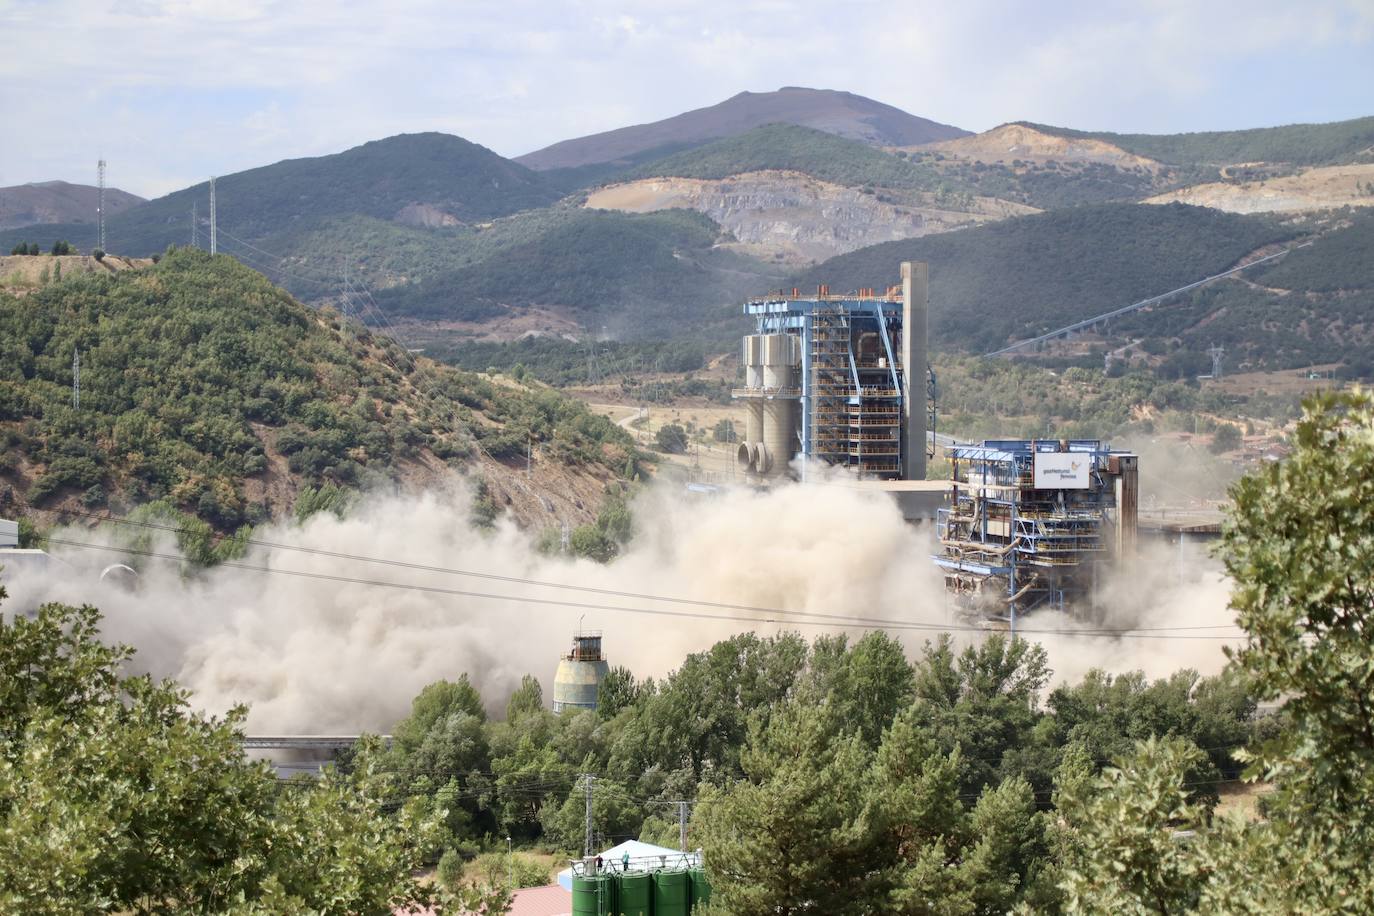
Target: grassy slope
(1025, 276)
(1298, 144)
(201, 382)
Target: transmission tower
(1216, 353)
(214, 236)
(195, 227)
(100, 200)
(76, 379)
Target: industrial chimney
(915, 366)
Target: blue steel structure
(851, 375)
(1008, 547)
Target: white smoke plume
(318, 655)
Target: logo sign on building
(1062, 471)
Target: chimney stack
(915, 362)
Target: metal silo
(580, 673)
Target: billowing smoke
(315, 654)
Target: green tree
(671, 438)
(799, 834)
(619, 690)
(115, 796)
(1299, 545)
(1225, 439)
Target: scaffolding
(1014, 538)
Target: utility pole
(100, 200)
(76, 379)
(195, 226)
(588, 779)
(529, 455)
(214, 235)
(682, 826)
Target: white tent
(643, 857)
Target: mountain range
(596, 235)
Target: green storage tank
(672, 893)
(701, 887)
(636, 894)
(595, 896)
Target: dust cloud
(314, 654)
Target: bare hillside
(1010, 142)
(1313, 189)
(793, 217)
(23, 272)
(58, 202)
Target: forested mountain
(842, 113)
(59, 202)
(204, 386)
(1018, 278)
(444, 231)
(635, 275)
(1314, 306)
(423, 179)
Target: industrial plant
(839, 379)
(1030, 522)
(844, 381)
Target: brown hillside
(796, 218)
(1010, 142)
(58, 202)
(1313, 189)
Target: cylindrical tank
(780, 359)
(701, 887)
(577, 683)
(595, 895)
(672, 893)
(753, 360)
(778, 431)
(753, 420)
(636, 894)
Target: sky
(171, 91)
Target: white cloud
(173, 90)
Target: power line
(617, 593)
(839, 622)
(1135, 306)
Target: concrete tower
(915, 365)
(580, 673)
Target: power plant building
(840, 379)
(1029, 522)
(577, 683)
